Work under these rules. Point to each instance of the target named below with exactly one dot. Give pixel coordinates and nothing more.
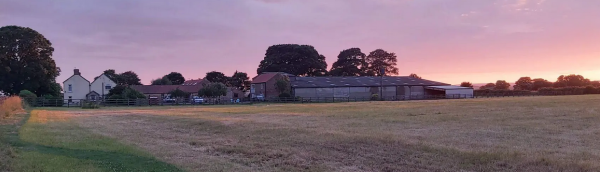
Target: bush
(28, 97)
(375, 97)
(10, 105)
(212, 90)
(90, 105)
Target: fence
(41, 102)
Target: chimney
(76, 72)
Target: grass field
(503, 134)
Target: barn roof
(360, 81)
(264, 77)
(193, 82)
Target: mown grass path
(45, 141)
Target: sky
(450, 41)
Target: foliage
(375, 97)
(177, 93)
(524, 83)
(9, 106)
(300, 60)
(130, 93)
(26, 61)
(285, 95)
(212, 90)
(590, 90)
(595, 83)
(175, 78)
(162, 81)
(240, 81)
(124, 92)
(283, 85)
(90, 105)
(571, 81)
(117, 90)
(466, 84)
(29, 97)
(540, 83)
(125, 78)
(350, 62)
(502, 85)
(412, 75)
(381, 59)
(219, 77)
(488, 86)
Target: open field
(503, 134)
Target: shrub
(90, 105)
(375, 97)
(212, 90)
(28, 97)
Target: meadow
(558, 133)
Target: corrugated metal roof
(360, 81)
(448, 87)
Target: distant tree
(124, 92)
(213, 90)
(412, 75)
(381, 59)
(218, 77)
(240, 80)
(129, 78)
(130, 93)
(350, 62)
(502, 85)
(488, 86)
(524, 83)
(283, 85)
(467, 84)
(540, 83)
(177, 93)
(26, 61)
(595, 83)
(111, 74)
(116, 90)
(571, 81)
(300, 60)
(162, 81)
(175, 78)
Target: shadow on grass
(103, 160)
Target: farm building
(359, 87)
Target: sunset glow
(449, 41)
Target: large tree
(467, 84)
(381, 59)
(176, 78)
(240, 80)
(300, 60)
(502, 85)
(541, 83)
(488, 86)
(571, 81)
(129, 78)
(218, 77)
(212, 90)
(162, 81)
(26, 61)
(350, 62)
(524, 83)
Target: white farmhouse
(78, 88)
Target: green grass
(64, 146)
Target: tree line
(528, 84)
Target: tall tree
(111, 74)
(488, 86)
(300, 60)
(350, 62)
(26, 61)
(162, 81)
(129, 78)
(571, 81)
(502, 85)
(213, 90)
(541, 83)
(240, 80)
(176, 78)
(412, 75)
(218, 77)
(467, 84)
(381, 59)
(524, 83)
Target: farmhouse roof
(266, 76)
(165, 89)
(360, 81)
(193, 82)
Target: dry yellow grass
(504, 134)
(10, 106)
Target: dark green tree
(176, 78)
(350, 62)
(381, 59)
(218, 77)
(524, 83)
(177, 93)
(466, 84)
(502, 85)
(540, 83)
(213, 90)
(488, 86)
(129, 78)
(161, 81)
(26, 61)
(412, 75)
(240, 80)
(300, 60)
(283, 85)
(571, 81)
